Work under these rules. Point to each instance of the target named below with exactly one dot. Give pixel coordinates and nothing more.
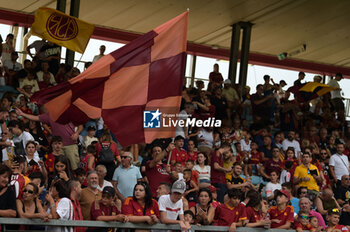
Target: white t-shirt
(203, 173)
(12, 66)
(65, 211)
(105, 184)
(245, 146)
(340, 164)
(285, 177)
(173, 210)
(180, 130)
(335, 93)
(208, 137)
(295, 144)
(270, 188)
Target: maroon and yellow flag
(62, 29)
(143, 75)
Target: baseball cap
(109, 190)
(301, 73)
(91, 128)
(283, 192)
(227, 81)
(178, 187)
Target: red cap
(284, 192)
(212, 189)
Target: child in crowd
(314, 224)
(195, 176)
(282, 215)
(80, 174)
(255, 158)
(87, 140)
(333, 217)
(88, 163)
(303, 222)
(178, 154)
(191, 188)
(286, 175)
(214, 195)
(272, 185)
(232, 213)
(56, 150)
(189, 216)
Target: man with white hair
(102, 172)
(305, 205)
(89, 194)
(126, 176)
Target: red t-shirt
(217, 176)
(179, 156)
(19, 181)
(50, 163)
(256, 158)
(271, 165)
(340, 227)
(192, 156)
(286, 215)
(98, 209)
(157, 175)
(225, 215)
(306, 227)
(253, 215)
(131, 207)
(85, 163)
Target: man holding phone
(307, 175)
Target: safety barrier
(100, 224)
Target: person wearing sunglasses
(30, 207)
(126, 176)
(342, 192)
(303, 222)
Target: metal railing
(100, 224)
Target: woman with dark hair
(29, 206)
(204, 212)
(257, 212)
(203, 170)
(7, 194)
(141, 207)
(62, 170)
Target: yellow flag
(62, 29)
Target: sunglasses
(303, 192)
(28, 191)
(124, 157)
(335, 210)
(323, 153)
(304, 217)
(346, 178)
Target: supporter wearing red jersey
(178, 154)
(75, 192)
(281, 215)
(141, 208)
(218, 171)
(303, 222)
(256, 158)
(256, 209)
(232, 213)
(195, 175)
(333, 217)
(191, 153)
(105, 209)
(18, 180)
(156, 171)
(56, 147)
(274, 164)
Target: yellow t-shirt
(302, 171)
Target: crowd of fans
(275, 162)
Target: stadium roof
(278, 26)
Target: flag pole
(79, 59)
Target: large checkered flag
(142, 75)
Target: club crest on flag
(62, 27)
(151, 118)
